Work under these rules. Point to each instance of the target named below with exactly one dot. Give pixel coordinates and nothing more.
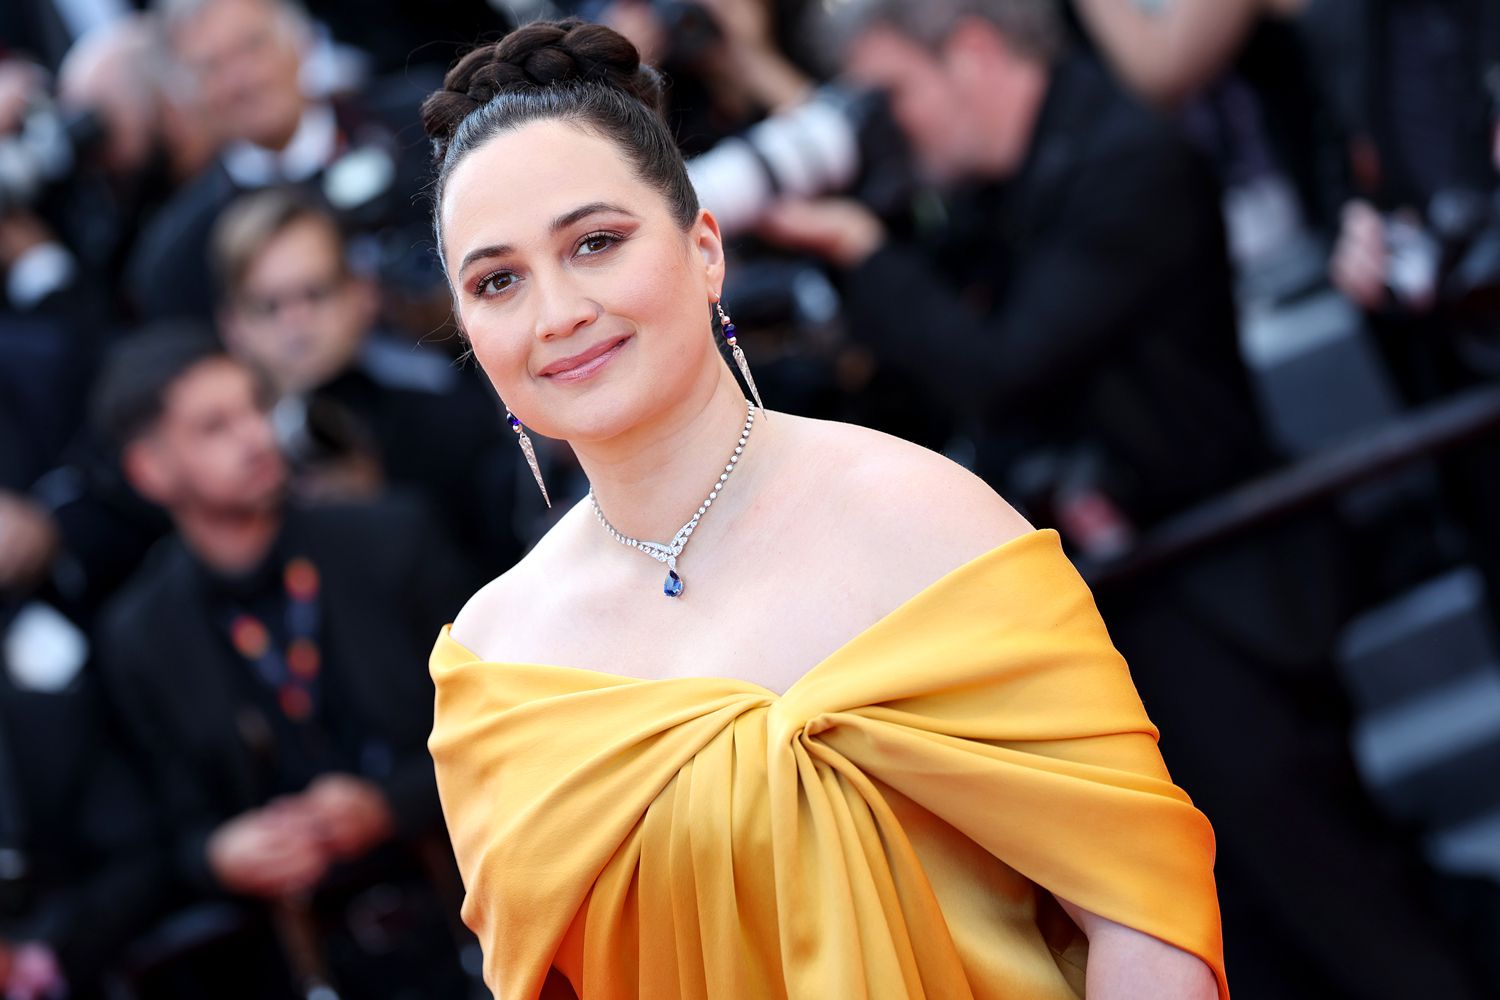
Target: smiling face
(585, 302)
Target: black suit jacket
(1085, 302)
(1085, 308)
(389, 581)
(83, 821)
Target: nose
(562, 308)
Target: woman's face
(587, 305)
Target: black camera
(47, 150)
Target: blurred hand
(19, 232)
(351, 815)
(34, 974)
(273, 851)
(639, 22)
(752, 66)
(840, 230)
(744, 22)
(1360, 260)
(20, 82)
(28, 541)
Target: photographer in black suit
(268, 665)
(1077, 313)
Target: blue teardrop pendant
(672, 586)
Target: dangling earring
(529, 452)
(727, 328)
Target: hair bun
(542, 54)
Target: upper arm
(489, 616)
(1127, 964)
(965, 513)
(470, 627)
(942, 514)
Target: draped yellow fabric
(893, 826)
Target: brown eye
(597, 243)
(493, 284)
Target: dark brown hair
(570, 71)
(139, 371)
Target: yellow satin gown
(893, 826)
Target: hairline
(149, 424)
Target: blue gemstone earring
(726, 327)
(529, 452)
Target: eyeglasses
(312, 295)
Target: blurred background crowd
(1210, 286)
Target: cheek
(500, 346)
(193, 469)
(651, 294)
(286, 72)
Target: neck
(230, 542)
(650, 481)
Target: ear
(147, 470)
(709, 243)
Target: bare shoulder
(511, 604)
(909, 501)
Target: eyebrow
(561, 222)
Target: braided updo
(571, 71)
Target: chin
(608, 412)
(591, 420)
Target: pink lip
(581, 366)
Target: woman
(866, 737)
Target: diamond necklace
(668, 552)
